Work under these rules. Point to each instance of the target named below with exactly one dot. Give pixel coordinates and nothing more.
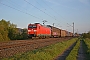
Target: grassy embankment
(87, 42)
(45, 53)
(73, 54)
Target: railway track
(19, 46)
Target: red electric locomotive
(38, 30)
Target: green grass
(87, 42)
(73, 54)
(45, 53)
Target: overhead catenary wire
(18, 6)
(21, 11)
(15, 4)
(39, 9)
(53, 10)
(45, 9)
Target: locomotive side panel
(44, 31)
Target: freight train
(44, 31)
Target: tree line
(86, 35)
(9, 31)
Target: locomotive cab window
(34, 26)
(30, 26)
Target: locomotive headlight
(29, 30)
(35, 30)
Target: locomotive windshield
(32, 26)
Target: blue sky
(59, 12)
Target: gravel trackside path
(82, 53)
(66, 53)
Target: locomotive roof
(52, 26)
(36, 23)
(41, 25)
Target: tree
(24, 34)
(12, 32)
(9, 31)
(4, 30)
(86, 35)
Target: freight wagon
(63, 33)
(55, 32)
(69, 34)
